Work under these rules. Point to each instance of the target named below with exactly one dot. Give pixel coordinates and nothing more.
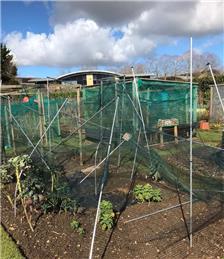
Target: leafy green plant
(156, 195)
(15, 165)
(143, 193)
(6, 175)
(107, 215)
(59, 199)
(76, 225)
(37, 188)
(21, 164)
(34, 186)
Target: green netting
(30, 117)
(158, 99)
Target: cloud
(81, 42)
(104, 13)
(112, 33)
(170, 18)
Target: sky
(50, 38)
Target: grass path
(8, 248)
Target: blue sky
(52, 38)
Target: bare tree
(199, 60)
(153, 66)
(139, 68)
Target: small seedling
(76, 225)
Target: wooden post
(40, 115)
(58, 122)
(48, 115)
(186, 109)
(44, 118)
(7, 127)
(176, 134)
(148, 109)
(79, 120)
(161, 136)
(211, 104)
(12, 129)
(3, 153)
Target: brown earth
(163, 235)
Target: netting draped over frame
(160, 100)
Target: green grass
(9, 249)
(212, 137)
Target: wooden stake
(40, 115)
(79, 119)
(211, 104)
(7, 128)
(161, 136)
(176, 134)
(12, 129)
(3, 153)
(58, 121)
(43, 117)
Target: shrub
(38, 187)
(143, 193)
(107, 215)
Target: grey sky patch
(104, 13)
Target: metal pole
(191, 144)
(102, 185)
(140, 110)
(48, 127)
(100, 163)
(136, 151)
(216, 87)
(156, 212)
(95, 224)
(95, 159)
(101, 105)
(121, 126)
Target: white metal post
(140, 111)
(191, 131)
(102, 184)
(216, 87)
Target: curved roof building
(86, 77)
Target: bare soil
(163, 235)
